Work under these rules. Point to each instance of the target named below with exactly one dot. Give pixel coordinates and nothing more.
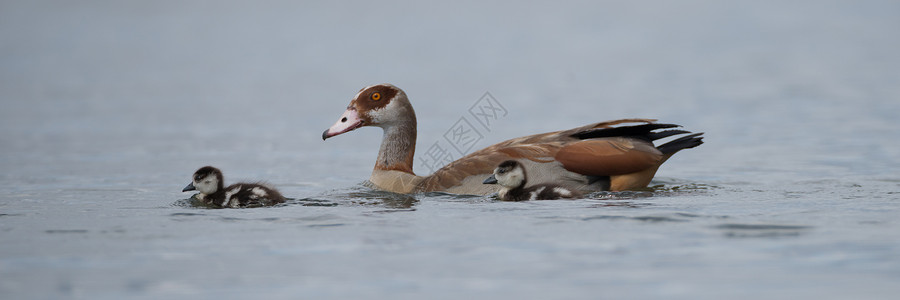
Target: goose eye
(376, 96)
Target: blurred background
(196, 81)
(106, 105)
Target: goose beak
(189, 187)
(490, 180)
(348, 122)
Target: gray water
(109, 106)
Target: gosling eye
(376, 96)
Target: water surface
(109, 107)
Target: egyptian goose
(208, 182)
(511, 176)
(594, 157)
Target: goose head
(380, 105)
(206, 180)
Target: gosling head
(206, 180)
(509, 174)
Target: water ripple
(736, 230)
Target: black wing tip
(643, 131)
(685, 142)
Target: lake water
(108, 107)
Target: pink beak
(349, 121)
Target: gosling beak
(189, 187)
(490, 180)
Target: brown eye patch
(378, 96)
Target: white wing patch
(230, 193)
(534, 194)
(258, 192)
(562, 192)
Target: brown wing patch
(539, 153)
(535, 147)
(608, 156)
(606, 124)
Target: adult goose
(612, 155)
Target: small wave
(736, 230)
